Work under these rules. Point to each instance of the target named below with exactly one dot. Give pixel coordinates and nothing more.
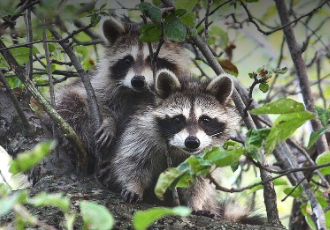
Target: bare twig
(11, 20)
(206, 24)
(61, 40)
(318, 70)
(284, 25)
(50, 77)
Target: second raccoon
(189, 116)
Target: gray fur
(138, 156)
(117, 98)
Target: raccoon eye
(127, 60)
(177, 120)
(205, 119)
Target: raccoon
(122, 82)
(188, 117)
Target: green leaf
(254, 141)
(327, 219)
(170, 17)
(323, 158)
(144, 7)
(284, 126)
(180, 12)
(6, 204)
(280, 70)
(4, 189)
(28, 159)
(46, 199)
(219, 35)
(234, 166)
(166, 179)
(315, 136)
(51, 47)
(157, 2)
(281, 106)
(21, 54)
(175, 31)
(95, 19)
(323, 201)
(150, 33)
(185, 4)
(222, 158)
(83, 51)
(155, 14)
(198, 165)
(69, 220)
(297, 191)
(264, 87)
(323, 115)
(143, 219)
(188, 19)
(95, 216)
(310, 222)
(255, 137)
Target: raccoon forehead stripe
(145, 51)
(134, 51)
(210, 112)
(210, 109)
(172, 111)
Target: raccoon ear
(166, 83)
(221, 87)
(113, 29)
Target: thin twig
(206, 24)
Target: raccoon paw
(130, 197)
(203, 213)
(104, 135)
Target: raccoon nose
(138, 81)
(192, 142)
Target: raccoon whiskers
(215, 134)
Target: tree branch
(65, 127)
(92, 100)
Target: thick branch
(301, 71)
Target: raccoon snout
(138, 81)
(192, 142)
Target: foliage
(16, 200)
(143, 219)
(277, 90)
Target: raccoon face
(128, 59)
(195, 116)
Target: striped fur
(122, 83)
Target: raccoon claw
(104, 136)
(130, 197)
(203, 213)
